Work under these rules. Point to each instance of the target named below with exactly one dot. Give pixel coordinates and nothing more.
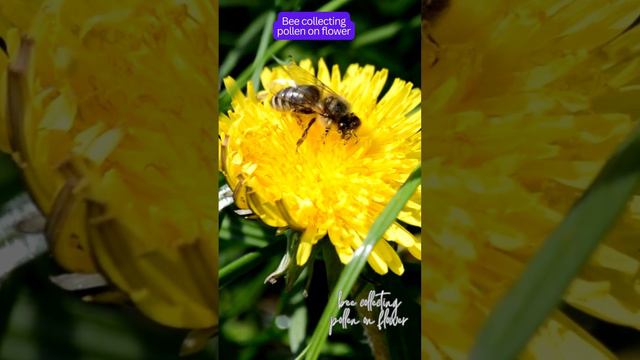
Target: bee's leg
(302, 111)
(327, 127)
(326, 132)
(304, 133)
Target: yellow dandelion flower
(328, 185)
(524, 103)
(109, 110)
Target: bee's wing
(302, 77)
(278, 84)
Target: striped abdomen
(302, 99)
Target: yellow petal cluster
(109, 112)
(327, 186)
(523, 104)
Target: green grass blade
(246, 263)
(241, 45)
(383, 32)
(260, 59)
(351, 272)
(540, 288)
(333, 5)
(239, 267)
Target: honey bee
(310, 96)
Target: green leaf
(297, 328)
(540, 287)
(351, 272)
(246, 263)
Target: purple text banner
(304, 25)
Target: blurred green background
(387, 35)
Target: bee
(310, 96)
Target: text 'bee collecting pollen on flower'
(375, 304)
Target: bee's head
(348, 124)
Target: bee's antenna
(278, 60)
(282, 62)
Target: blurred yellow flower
(110, 112)
(523, 105)
(327, 186)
